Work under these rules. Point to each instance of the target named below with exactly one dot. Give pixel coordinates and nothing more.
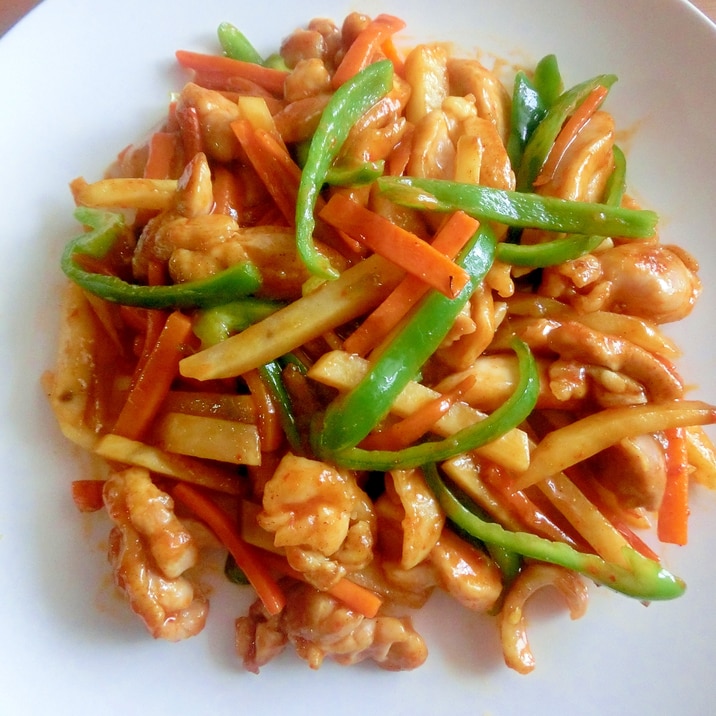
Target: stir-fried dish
(374, 323)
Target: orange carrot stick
(362, 50)
(394, 243)
(407, 431)
(87, 495)
(155, 378)
(569, 132)
(351, 594)
(227, 192)
(356, 597)
(273, 164)
(391, 52)
(162, 161)
(266, 77)
(452, 236)
(154, 320)
(190, 131)
(248, 558)
(269, 424)
(163, 148)
(134, 318)
(673, 515)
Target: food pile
(376, 323)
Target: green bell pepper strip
(546, 132)
(351, 416)
(547, 80)
(236, 45)
(355, 175)
(233, 572)
(509, 415)
(548, 253)
(509, 563)
(271, 375)
(216, 324)
(616, 184)
(643, 579)
(528, 109)
(348, 104)
(105, 228)
(570, 247)
(343, 173)
(520, 209)
(276, 62)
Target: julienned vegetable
(105, 229)
(528, 109)
(542, 139)
(217, 323)
(519, 209)
(509, 415)
(401, 370)
(643, 578)
(236, 45)
(556, 251)
(353, 415)
(349, 102)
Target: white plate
(80, 80)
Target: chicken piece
(216, 113)
(297, 121)
(308, 79)
(195, 243)
(495, 168)
(470, 77)
(512, 621)
(472, 331)
(272, 249)
(150, 549)
(194, 198)
(319, 626)
(583, 170)
(576, 342)
(580, 173)
(652, 281)
(426, 72)
(634, 470)
(321, 40)
(410, 511)
(321, 517)
(466, 572)
(411, 587)
(258, 637)
(433, 152)
(332, 40)
(194, 265)
(374, 136)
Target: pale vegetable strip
(246, 556)
(132, 452)
(210, 438)
(344, 371)
(702, 456)
(356, 291)
(589, 522)
(125, 193)
(577, 441)
(67, 387)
